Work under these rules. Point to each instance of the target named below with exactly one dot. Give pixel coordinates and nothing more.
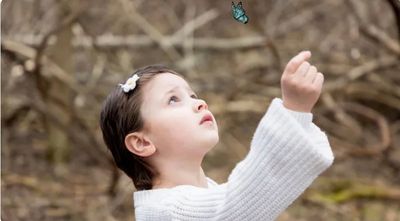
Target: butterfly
(238, 13)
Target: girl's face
(172, 114)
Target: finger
(319, 80)
(310, 75)
(302, 70)
(296, 61)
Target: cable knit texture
(287, 152)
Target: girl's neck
(181, 177)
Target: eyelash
(192, 96)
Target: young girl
(159, 131)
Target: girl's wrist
(296, 108)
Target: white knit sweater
(288, 151)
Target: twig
(188, 60)
(342, 190)
(194, 24)
(382, 125)
(359, 71)
(376, 34)
(39, 106)
(368, 91)
(395, 5)
(347, 126)
(151, 31)
(299, 20)
(140, 41)
(30, 54)
(390, 156)
(371, 30)
(236, 145)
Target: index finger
(296, 61)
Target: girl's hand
(301, 83)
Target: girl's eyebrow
(174, 88)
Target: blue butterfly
(238, 13)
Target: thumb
(295, 62)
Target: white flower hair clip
(130, 84)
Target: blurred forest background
(59, 59)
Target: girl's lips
(206, 117)
(207, 122)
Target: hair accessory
(130, 84)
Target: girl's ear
(139, 144)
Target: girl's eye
(172, 98)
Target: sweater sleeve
(285, 157)
(305, 120)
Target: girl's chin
(212, 141)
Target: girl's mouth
(206, 118)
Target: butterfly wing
(244, 19)
(235, 11)
(238, 13)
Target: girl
(158, 132)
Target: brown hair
(120, 115)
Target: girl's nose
(201, 104)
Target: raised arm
(282, 162)
(288, 151)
